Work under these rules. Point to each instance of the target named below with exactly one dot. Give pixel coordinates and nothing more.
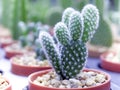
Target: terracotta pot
(108, 65)
(14, 49)
(25, 70)
(32, 86)
(94, 54)
(9, 87)
(9, 54)
(6, 41)
(4, 32)
(95, 51)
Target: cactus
(66, 15)
(17, 16)
(103, 36)
(88, 14)
(68, 59)
(53, 15)
(6, 15)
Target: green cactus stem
(50, 50)
(73, 58)
(76, 25)
(62, 33)
(91, 19)
(66, 15)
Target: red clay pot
(32, 86)
(95, 51)
(4, 43)
(25, 70)
(94, 54)
(13, 52)
(5, 32)
(9, 54)
(106, 64)
(9, 87)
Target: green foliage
(53, 15)
(116, 5)
(29, 35)
(65, 3)
(69, 58)
(80, 3)
(100, 4)
(103, 36)
(37, 10)
(17, 13)
(15, 18)
(6, 12)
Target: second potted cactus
(69, 56)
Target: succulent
(53, 15)
(18, 14)
(103, 36)
(69, 56)
(30, 32)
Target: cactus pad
(50, 50)
(66, 15)
(91, 20)
(76, 25)
(73, 57)
(62, 33)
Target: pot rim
(26, 66)
(85, 69)
(9, 86)
(103, 58)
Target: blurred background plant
(29, 36)
(50, 11)
(103, 37)
(114, 15)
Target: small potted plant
(26, 41)
(16, 49)
(5, 32)
(68, 57)
(4, 84)
(6, 41)
(26, 64)
(5, 37)
(30, 62)
(111, 61)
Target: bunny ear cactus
(51, 50)
(69, 60)
(66, 15)
(91, 19)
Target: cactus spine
(69, 60)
